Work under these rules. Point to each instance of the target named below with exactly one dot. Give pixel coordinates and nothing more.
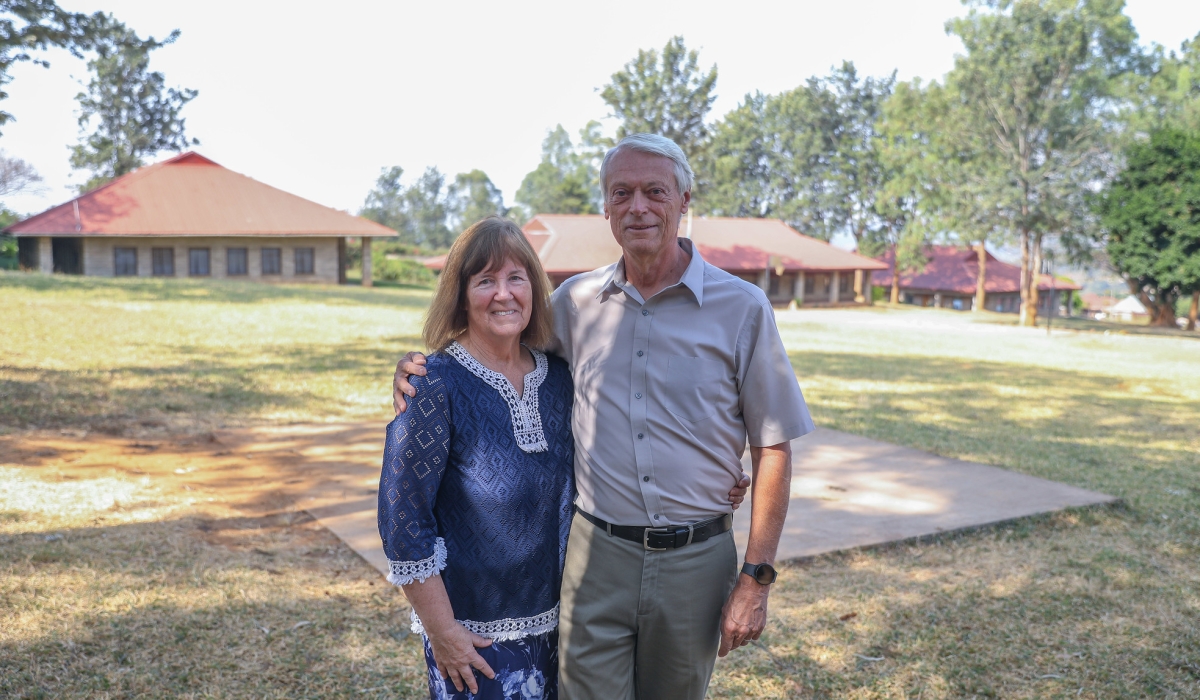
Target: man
(676, 364)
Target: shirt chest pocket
(693, 387)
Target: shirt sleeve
(560, 307)
(772, 404)
(414, 461)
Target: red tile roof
(190, 195)
(952, 269)
(569, 244)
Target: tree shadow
(162, 623)
(1087, 325)
(217, 290)
(969, 640)
(1084, 429)
(207, 385)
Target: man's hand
(737, 494)
(412, 363)
(745, 614)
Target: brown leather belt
(657, 539)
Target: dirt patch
(256, 471)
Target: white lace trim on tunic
(402, 573)
(505, 630)
(526, 418)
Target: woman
(477, 485)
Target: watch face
(765, 574)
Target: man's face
(643, 203)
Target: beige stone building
(189, 217)
(791, 268)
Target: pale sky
(316, 98)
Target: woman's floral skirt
(526, 669)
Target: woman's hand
(412, 363)
(737, 494)
(455, 655)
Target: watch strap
(758, 572)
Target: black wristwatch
(762, 573)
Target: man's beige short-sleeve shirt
(668, 390)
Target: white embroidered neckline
(505, 630)
(526, 418)
(402, 573)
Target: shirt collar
(693, 277)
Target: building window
(162, 261)
(271, 261)
(957, 304)
(846, 286)
(198, 262)
(304, 261)
(125, 262)
(235, 261)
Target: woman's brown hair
(485, 246)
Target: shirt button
(645, 478)
(637, 396)
(656, 516)
(645, 312)
(640, 353)
(640, 436)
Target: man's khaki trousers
(640, 625)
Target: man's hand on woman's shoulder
(412, 363)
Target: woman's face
(499, 301)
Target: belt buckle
(646, 538)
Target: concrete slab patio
(847, 491)
(850, 491)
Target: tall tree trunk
(895, 275)
(1164, 315)
(1035, 278)
(1024, 275)
(1194, 310)
(980, 276)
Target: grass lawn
(120, 584)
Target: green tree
(16, 175)
(856, 173)
(385, 203)
(910, 152)
(566, 181)
(1037, 84)
(938, 177)
(28, 27)
(1151, 215)
(427, 206)
(421, 213)
(8, 244)
(809, 156)
(663, 93)
(1166, 94)
(127, 113)
(770, 157)
(473, 197)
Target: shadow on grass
(1083, 429)
(210, 385)
(1086, 325)
(215, 290)
(165, 613)
(1033, 640)
(162, 609)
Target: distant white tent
(1127, 309)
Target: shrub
(8, 253)
(400, 270)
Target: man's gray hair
(654, 145)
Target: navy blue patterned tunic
(477, 485)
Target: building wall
(98, 256)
